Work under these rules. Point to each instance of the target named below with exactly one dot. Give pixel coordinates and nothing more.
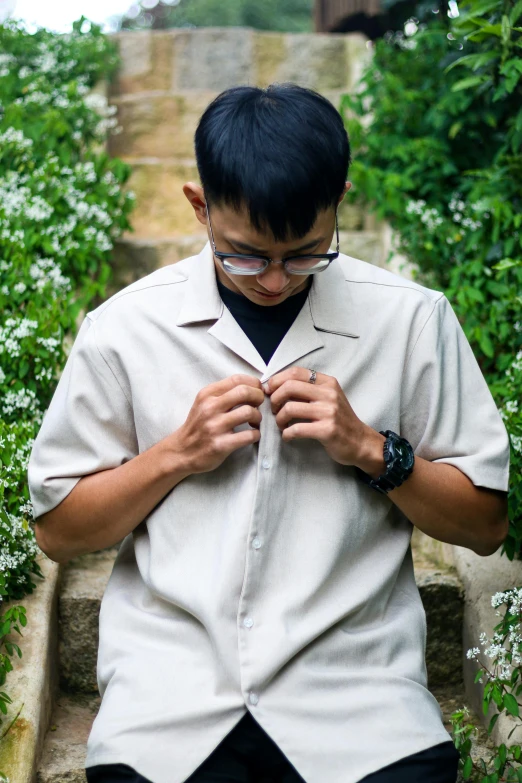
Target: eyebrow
(250, 249)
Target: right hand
(207, 438)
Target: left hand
(332, 419)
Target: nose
(274, 278)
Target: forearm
(105, 507)
(442, 501)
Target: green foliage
(436, 132)
(61, 207)
(503, 685)
(281, 15)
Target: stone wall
(166, 80)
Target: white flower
(95, 101)
(472, 653)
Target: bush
(61, 207)
(436, 130)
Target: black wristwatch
(399, 459)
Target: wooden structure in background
(332, 15)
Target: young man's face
(233, 233)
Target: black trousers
(248, 755)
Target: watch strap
(397, 471)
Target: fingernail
(266, 389)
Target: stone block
(312, 60)
(358, 56)
(84, 581)
(365, 245)
(161, 209)
(269, 54)
(133, 258)
(351, 216)
(213, 58)
(442, 596)
(317, 61)
(146, 61)
(158, 124)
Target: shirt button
(266, 463)
(253, 698)
(248, 622)
(256, 543)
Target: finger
(224, 385)
(298, 410)
(293, 374)
(231, 442)
(246, 413)
(243, 394)
(302, 430)
(291, 390)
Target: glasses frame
(265, 260)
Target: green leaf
(470, 81)
(515, 13)
(506, 29)
(511, 705)
(492, 722)
(506, 263)
(455, 129)
(486, 345)
(468, 766)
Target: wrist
(172, 459)
(371, 458)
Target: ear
(196, 197)
(347, 186)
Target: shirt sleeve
(88, 426)
(448, 413)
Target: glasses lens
(244, 265)
(306, 264)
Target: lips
(269, 296)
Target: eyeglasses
(249, 264)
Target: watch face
(402, 452)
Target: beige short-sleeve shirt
(278, 583)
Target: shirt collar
(331, 298)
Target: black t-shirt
(264, 325)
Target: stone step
(212, 59)
(85, 579)
(83, 584)
(161, 209)
(134, 257)
(64, 751)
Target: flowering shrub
(503, 685)
(61, 208)
(438, 154)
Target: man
(261, 425)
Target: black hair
(281, 152)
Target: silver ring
(313, 376)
